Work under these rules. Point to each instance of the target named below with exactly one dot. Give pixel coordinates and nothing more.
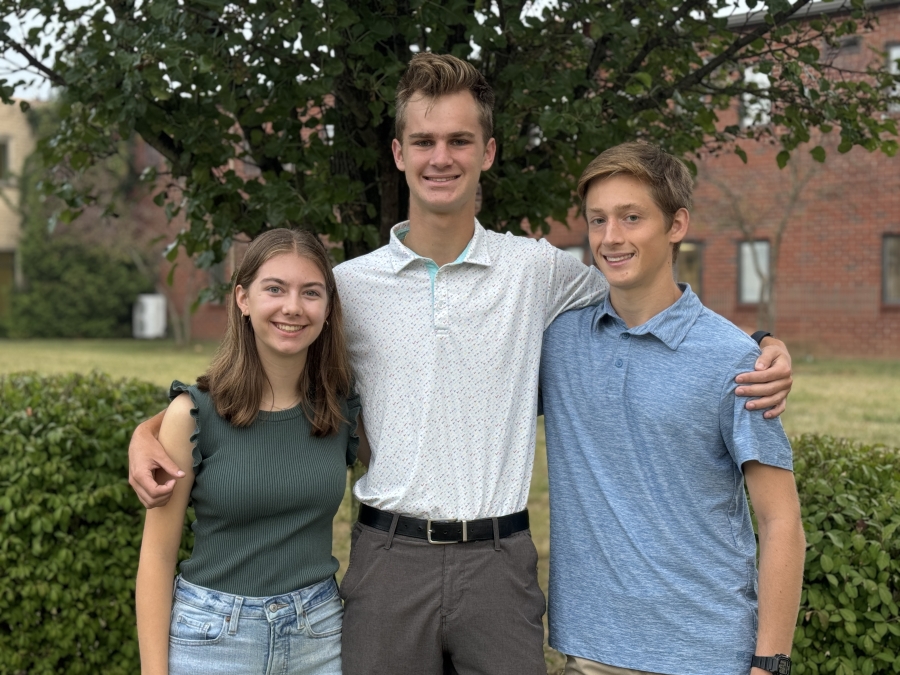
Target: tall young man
(653, 555)
(444, 326)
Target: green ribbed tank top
(264, 497)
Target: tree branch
(51, 75)
(730, 53)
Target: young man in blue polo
(653, 557)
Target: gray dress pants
(414, 608)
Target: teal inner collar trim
(430, 265)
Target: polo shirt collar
(476, 252)
(670, 326)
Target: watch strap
(778, 664)
(758, 338)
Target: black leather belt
(445, 531)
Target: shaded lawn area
(857, 399)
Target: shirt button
(618, 363)
(625, 336)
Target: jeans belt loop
(297, 599)
(235, 615)
(496, 524)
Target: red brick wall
(829, 272)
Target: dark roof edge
(812, 9)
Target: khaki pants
(578, 666)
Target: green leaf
(205, 63)
(782, 160)
(644, 78)
(160, 93)
(847, 614)
(818, 153)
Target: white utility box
(149, 316)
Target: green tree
(274, 113)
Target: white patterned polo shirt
(447, 369)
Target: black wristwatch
(759, 335)
(778, 664)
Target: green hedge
(70, 530)
(70, 526)
(849, 622)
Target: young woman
(264, 438)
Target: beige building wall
(16, 136)
(16, 143)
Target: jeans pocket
(325, 619)
(194, 625)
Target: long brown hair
(236, 380)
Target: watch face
(784, 666)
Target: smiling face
(443, 154)
(287, 305)
(628, 235)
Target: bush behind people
(849, 621)
(70, 530)
(70, 526)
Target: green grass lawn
(856, 399)
(157, 361)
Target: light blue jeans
(215, 633)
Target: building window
(893, 58)
(689, 266)
(7, 280)
(849, 45)
(4, 160)
(753, 270)
(890, 269)
(755, 110)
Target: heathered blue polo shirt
(652, 552)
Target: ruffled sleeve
(353, 408)
(178, 388)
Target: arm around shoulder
(769, 383)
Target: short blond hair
(669, 181)
(433, 75)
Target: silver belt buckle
(465, 532)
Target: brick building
(186, 322)
(829, 232)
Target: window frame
(891, 303)
(700, 245)
(740, 270)
(5, 173)
(754, 111)
(893, 66)
(6, 293)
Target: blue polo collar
(670, 326)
